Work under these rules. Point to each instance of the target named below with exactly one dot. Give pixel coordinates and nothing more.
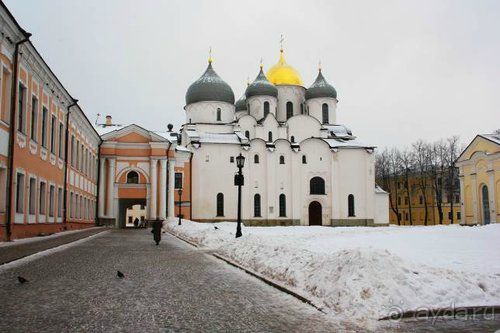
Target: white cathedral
(301, 166)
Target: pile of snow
(366, 273)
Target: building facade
(302, 168)
(37, 115)
(479, 166)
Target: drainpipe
(66, 153)
(12, 133)
(98, 180)
(191, 187)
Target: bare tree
(422, 152)
(437, 167)
(452, 152)
(405, 166)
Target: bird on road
(21, 279)
(120, 274)
(216, 228)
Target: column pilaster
(102, 186)
(171, 190)
(111, 187)
(154, 181)
(163, 188)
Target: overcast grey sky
(403, 70)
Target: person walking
(157, 225)
(136, 222)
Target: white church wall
(381, 208)
(269, 125)
(315, 108)
(256, 105)
(206, 112)
(302, 127)
(288, 93)
(248, 123)
(318, 164)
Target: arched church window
(218, 114)
(324, 110)
(256, 206)
(350, 204)
(270, 136)
(317, 185)
(292, 138)
(282, 159)
(282, 205)
(304, 159)
(247, 134)
(132, 177)
(301, 108)
(220, 204)
(289, 110)
(256, 159)
(266, 108)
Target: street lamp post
(179, 191)
(239, 181)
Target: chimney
(109, 121)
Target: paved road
(16, 250)
(171, 288)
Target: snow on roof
(218, 138)
(182, 148)
(105, 130)
(492, 137)
(338, 130)
(340, 143)
(379, 189)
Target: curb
(252, 273)
(458, 312)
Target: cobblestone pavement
(169, 288)
(13, 251)
(172, 287)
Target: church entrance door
(315, 213)
(486, 205)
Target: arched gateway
(140, 167)
(315, 213)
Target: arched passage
(315, 213)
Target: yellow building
(479, 166)
(408, 201)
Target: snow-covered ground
(362, 272)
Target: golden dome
(282, 73)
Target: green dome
(209, 87)
(321, 88)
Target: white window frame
(19, 217)
(32, 217)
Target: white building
(301, 168)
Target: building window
(77, 156)
(72, 150)
(61, 140)
(270, 136)
(256, 205)
(71, 205)
(324, 110)
(301, 108)
(350, 204)
(292, 139)
(51, 200)
(34, 118)
(282, 159)
(421, 200)
(289, 110)
(53, 129)
(3, 183)
(21, 110)
(406, 200)
(231, 159)
(6, 87)
(247, 134)
(132, 177)
(20, 193)
(457, 198)
(317, 185)
(459, 216)
(399, 216)
(399, 201)
(266, 108)
(220, 204)
(41, 198)
(450, 216)
(44, 126)
(282, 205)
(59, 202)
(178, 180)
(32, 197)
(256, 159)
(304, 159)
(218, 114)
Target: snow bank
(348, 278)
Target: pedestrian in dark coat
(136, 222)
(157, 225)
